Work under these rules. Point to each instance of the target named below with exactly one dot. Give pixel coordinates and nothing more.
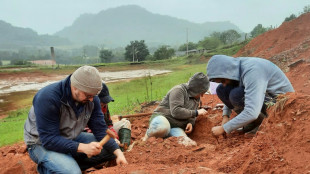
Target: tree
(307, 9)
(163, 53)
(259, 29)
(229, 36)
(216, 35)
(209, 43)
(136, 51)
(191, 46)
(290, 18)
(105, 56)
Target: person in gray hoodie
(246, 84)
(177, 112)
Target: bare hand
(120, 158)
(202, 112)
(225, 119)
(189, 128)
(91, 149)
(218, 130)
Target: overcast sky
(50, 16)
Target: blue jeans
(160, 127)
(55, 162)
(233, 98)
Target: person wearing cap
(247, 83)
(122, 128)
(177, 112)
(53, 131)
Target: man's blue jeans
(232, 97)
(55, 162)
(160, 127)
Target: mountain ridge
(13, 37)
(120, 25)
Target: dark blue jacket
(55, 120)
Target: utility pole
(186, 41)
(133, 53)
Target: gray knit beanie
(87, 79)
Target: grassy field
(12, 127)
(128, 95)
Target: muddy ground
(282, 144)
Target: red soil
(280, 146)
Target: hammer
(105, 139)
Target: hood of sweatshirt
(221, 66)
(198, 84)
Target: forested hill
(12, 37)
(118, 26)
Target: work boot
(124, 138)
(253, 126)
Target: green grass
(12, 127)
(128, 96)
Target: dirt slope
(291, 39)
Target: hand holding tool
(105, 139)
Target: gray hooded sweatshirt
(258, 77)
(179, 105)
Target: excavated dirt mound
(292, 36)
(286, 46)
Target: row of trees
(215, 40)
(138, 51)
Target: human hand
(189, 128)
(218, 130)
(120, 158)
(113, 130)
(225, 119)
(91, 149)
(202, 112)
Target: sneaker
(253, 126)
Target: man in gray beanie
(177, 112)
(54, 128)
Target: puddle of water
(120, 75)
(7, 87)
(17, 94)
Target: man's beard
(77, 96)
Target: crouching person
(121, 128)
(177, 112)
(54, 128)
